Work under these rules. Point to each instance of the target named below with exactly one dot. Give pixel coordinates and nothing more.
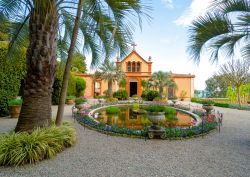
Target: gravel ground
(225, 154)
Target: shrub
(170, 111)
(207, 102)
(80, 86)
(15, 102)
(70, 97)
(72, 85)
(159, 99)
(113, 110)
(136, 106)
(149, 95)
(224, 105)
(22, 148)
(57, 86)
(121, 94)
(79, 101)
(12, 71)
(155, 108)
(111, 99)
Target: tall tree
(222, 28)
(162, 79)
(216, 86)
(111, 73)
(103, 33)
(236, 74)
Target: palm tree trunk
(238, 95)
(68, 65)
(41, 66)
(161, 92)
(110, 88)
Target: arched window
(129, 66)
(133, 67)
(138, 67)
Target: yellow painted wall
(134, 58)
(184, 84)
(89, 87)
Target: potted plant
(208, 106)
(15, 107)
(70, 100)
(156, 114)
(137, 110)
(79, 103)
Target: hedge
(12, 71)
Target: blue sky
(165, 39)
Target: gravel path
(225, 154)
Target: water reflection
(126, 118)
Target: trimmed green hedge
(12, 71)
(223, 105)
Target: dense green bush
(15, 102)
(79, 101)
(22, 148)
(155, 108)
(121, 94)
(170, 111)
(12, 71)
(224, 105)
(150, 95)
(80, 86)
(72, 85)
(113, 110)
(57, 86)
(70, 97)
(197, 100)
(111, 99)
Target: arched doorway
(133, 87)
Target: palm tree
(162, 79)
(226, 25)
(111, 73)
(105, 27)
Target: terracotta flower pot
(70, 102)
(15, 111)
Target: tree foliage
(236, 73)
(221, 29)
(162, 79)
(11, 73)
(78, 63)
(111, 73)
(216, 86)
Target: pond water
(126, 118)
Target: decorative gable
(134, 63)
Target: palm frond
(204, 29)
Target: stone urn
(156, 118)
(208, 108)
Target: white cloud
(168, 3)
(197, 8)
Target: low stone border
(143, 133)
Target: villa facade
(137, 69)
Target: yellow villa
(137, 69)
